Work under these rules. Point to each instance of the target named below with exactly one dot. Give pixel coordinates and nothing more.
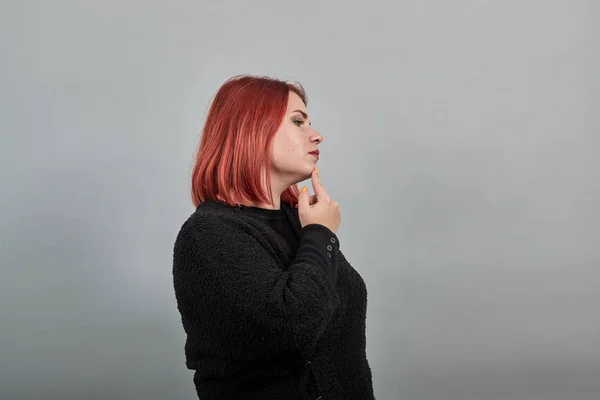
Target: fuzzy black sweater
(266, 318)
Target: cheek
(293, 144)
(288, 143)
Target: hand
(318, 209)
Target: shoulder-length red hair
(235, 148)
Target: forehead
(295, 103)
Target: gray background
(460, 140)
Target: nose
(316, 137)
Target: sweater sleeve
(236, 302)
(319, 246)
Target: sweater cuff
(321, 245)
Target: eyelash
(298, 122)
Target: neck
(275, 206)
(277, 188)
(276, 192)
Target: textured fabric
(263, 322)
(279, 221)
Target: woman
(270, 306)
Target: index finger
(318, 187)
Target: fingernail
(304, 189)
(317, 170)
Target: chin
(309, 172)
(301, 174)
(301, 177)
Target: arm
(233, 296)
(319, 246)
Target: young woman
(270, 306)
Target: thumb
(303, 199)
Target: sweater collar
(290, 211)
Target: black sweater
(263, 319)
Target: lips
(315, 152)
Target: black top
(278, 220)
(280, 223)
(271, 310)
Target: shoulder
(220, 237)
(213, 224)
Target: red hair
(235, 147)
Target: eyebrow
(305, 115)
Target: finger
(311, 200)
(303, 199)
(318, 187)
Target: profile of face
(292, 153)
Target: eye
(298, 122)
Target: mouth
(315, 153)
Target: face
(292, 161)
